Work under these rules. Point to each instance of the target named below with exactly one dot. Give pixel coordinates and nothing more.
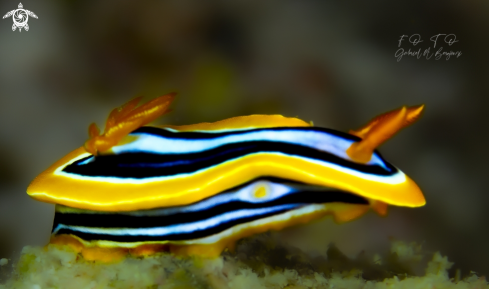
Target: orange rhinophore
(380, 129)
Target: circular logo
(20, 17)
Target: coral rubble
(259, 262)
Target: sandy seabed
(258, 262)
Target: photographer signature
(438, 39)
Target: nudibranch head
(213, 183)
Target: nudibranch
(197, 189)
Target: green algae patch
(257, 263)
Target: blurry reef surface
(258, 262)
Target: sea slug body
(196, 189)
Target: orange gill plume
(380, 129)
(125, 119)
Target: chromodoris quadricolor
(196, 189)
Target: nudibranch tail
(380, 129)
(125, 119)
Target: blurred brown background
(327, 61)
